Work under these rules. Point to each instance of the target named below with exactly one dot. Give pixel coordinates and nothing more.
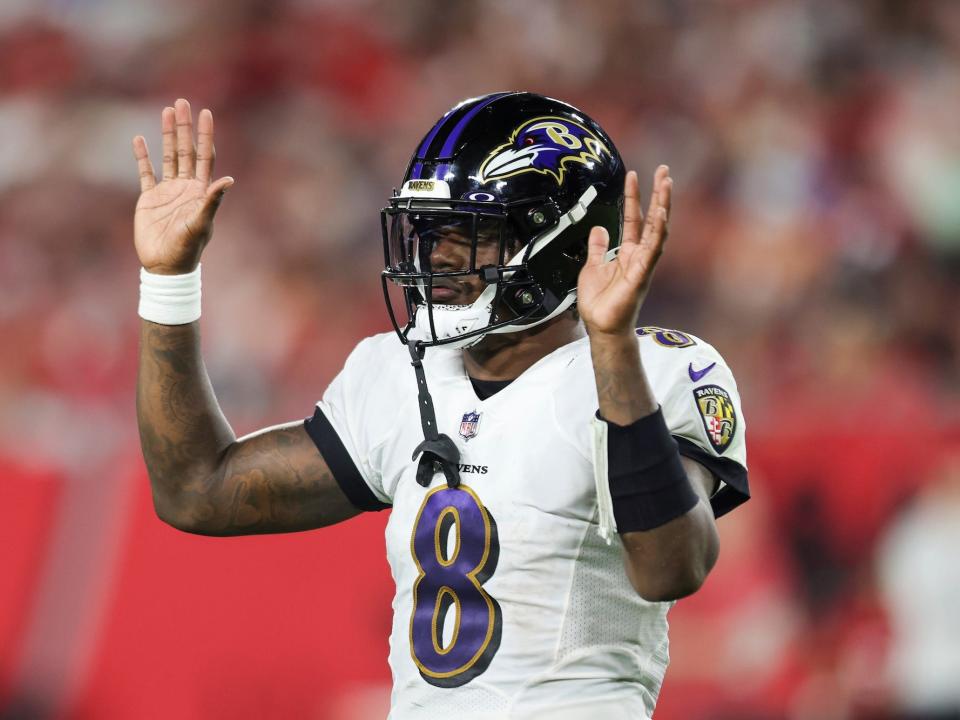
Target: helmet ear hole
(534, 220)
(524, 298)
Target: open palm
(174, 218)
(610, 293)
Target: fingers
(632, 214)
(660, 177)
(206, 154)
(186, 150)
(654, 229)
(214, 197)
(666, 192)
(168, 128)
(181, 157)
(597, 245)
(147, 177)
(220, 186)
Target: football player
(554, 474)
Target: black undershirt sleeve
(736, 488)
(341, 465)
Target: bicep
(271, 481)
(703, 482)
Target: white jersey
(508, 602)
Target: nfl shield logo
(469, 425)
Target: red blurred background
(815, 242)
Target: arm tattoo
(203, 478)
(623, 391)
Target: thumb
(214, 196)
(597, 245)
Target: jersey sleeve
(343, 438)
(703, 411)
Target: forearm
(183, 433)
(623, 391)
(672, 559)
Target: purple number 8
(455, 578)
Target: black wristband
(648, 484)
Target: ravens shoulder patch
(718, 415)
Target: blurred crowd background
(815, 242)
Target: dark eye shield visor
(412, 234)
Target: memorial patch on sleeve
(718, 415)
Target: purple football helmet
(533, 173)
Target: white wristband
(170, 299)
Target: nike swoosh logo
(697, 375)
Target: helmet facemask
(493, 249)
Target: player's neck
(506, 356)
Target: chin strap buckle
(438, 455)
(437, 451)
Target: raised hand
(610, 294)
(174, 218)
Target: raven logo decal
(543, 145)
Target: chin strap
(438, 450)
